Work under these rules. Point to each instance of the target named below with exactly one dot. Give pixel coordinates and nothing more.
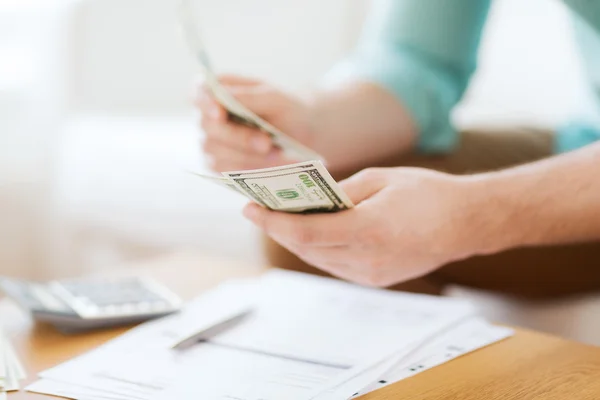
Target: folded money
(294, 188)
(237, 111)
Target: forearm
(357, 124)
(555, 201)
(418, 72)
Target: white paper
(465, 338)
(3, 366)
(72, 391)
(307, 336)
(11, 369)
(334, 329)
(330, 321)
(141, 362)
(217, 372)
(14, 362)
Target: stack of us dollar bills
(237, 112)
(303, 187)
(296, 188)
(11, 370)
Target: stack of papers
(11, 370)
(300, 337)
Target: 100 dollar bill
(295, 188)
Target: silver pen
(210, 332)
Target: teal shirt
(425, 52)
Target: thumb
(364, 184)
(261, 99)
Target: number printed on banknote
(295, 188)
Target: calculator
(91, 303)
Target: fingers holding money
(236, 80)
(299, 230)
(334, 267)
(257, 96)
(224, 157)
(365, 184)
(338, 261)
(231, 145)
(322, 240)
(252, 93)
(208, 106)
(238, 137)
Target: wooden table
(527, 366)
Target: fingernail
(214, 111)
(261, 144)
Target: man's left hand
(407, 222)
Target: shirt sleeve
(424, 52)
(589, 10)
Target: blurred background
(97, 127)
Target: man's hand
(231, 146)
(407, 223)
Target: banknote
(237, 112)
(296, 188)
(219, 180)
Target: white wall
(530, 71)
(30, 110)
(128, 56)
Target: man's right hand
(232, 146)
